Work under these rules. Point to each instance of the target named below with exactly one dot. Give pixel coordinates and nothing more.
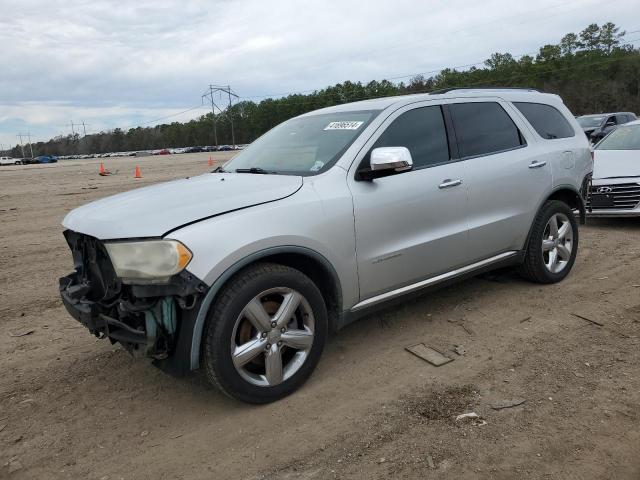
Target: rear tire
(265, 333)
(553, 244)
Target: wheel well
(571, 198)
(326, 280)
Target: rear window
(546, 120)
(483, 128)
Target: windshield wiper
(253, 170)
(219, 169)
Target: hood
(155, 210)
(616, 163)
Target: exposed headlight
(150, 260)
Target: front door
(411, 225)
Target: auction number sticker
(343, 126)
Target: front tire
(265, 333)
(553, 244)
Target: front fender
(201, 317)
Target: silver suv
(244, 271)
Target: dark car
(46, 159)
(194, 150)
(597, 126)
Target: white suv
(245, 270)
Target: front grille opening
(621, 196)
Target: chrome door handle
(537, 164)
(448, 183)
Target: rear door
(411, 225)
(506, 174)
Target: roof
(508, 94)
(633, 122)
(593, 115)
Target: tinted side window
(622, 119)
(546, 120)
(422, 131)
(483, 128)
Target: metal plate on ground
(429, 354)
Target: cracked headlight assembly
(152, 261)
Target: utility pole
(84, 128)
(220, 89)
(21, 146)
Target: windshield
(622, 138)
(590, 122)
(304, 145)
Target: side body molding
(198, 326)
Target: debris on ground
(429, 354)
(595, 322)
(460, 350)
(467, 416)
(507, 403)
(430, 462)
(13, 464)
(22, 334)
(525, 319)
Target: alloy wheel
(272, 337)
(557, 243)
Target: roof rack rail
(450, 89)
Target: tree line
(593, 71)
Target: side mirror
(387, 161)
(610, 123)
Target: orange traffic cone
(102, 170)
(138, 174)
(210, 161)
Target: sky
(128, 63)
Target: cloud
(115, 64)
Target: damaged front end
(153, 320)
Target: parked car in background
(45, 159)
(245, 270)
(194, 149)
(163, 151)
(596, 127)
(10, 161)
(615, 191)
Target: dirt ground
(72, 406)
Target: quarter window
(422, 131)
(546, 120)
(483, 128)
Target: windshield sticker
(343, 126)
(317, 166)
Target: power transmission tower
(30, 146)
(21, 146)
(72, 129)
(84, 128)
(209, 95)
(220, 89)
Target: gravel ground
(72, 406)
